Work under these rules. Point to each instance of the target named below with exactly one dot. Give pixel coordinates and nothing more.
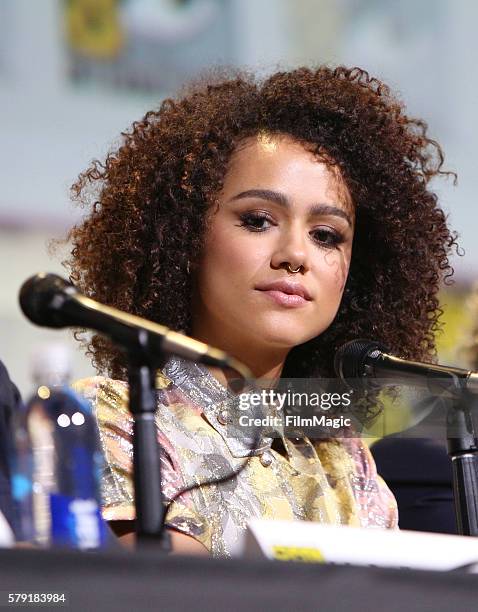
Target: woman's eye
(254, 221)
(260, 222)
(327, 237)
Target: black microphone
(50, 301)
(364, 364)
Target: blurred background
(75, 73)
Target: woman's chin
(280, 337)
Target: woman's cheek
(344, 274)
(336, 267)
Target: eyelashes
(328, 237)
(323, 236)
(253, 221)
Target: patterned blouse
(331, 481)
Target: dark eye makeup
(323, 236)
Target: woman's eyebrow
(283, 200)
(264, 194)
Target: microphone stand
(146, 453)
(463, 452)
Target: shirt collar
(221, 407)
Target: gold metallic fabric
(330, 481)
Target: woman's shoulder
(96, 388)
(109, 397)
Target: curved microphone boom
(50, 301)
(365, 364)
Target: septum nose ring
(293, 271)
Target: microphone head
(41, 297)
(350, 360)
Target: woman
(230, 215)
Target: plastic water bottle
(67, 460)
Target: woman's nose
(292, 251)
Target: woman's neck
(264, 362)
(264, 377)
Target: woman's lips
(285, 299)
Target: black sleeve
(9, 401)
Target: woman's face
(279, 206)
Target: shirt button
(222, 417)
(266, 459)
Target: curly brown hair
(148, 203)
